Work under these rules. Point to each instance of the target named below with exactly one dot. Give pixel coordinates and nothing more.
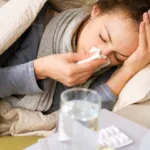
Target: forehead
(122, 31)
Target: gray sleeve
(18, 79)
(107, 96)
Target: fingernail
(149, 13)
(103, 56)
(145, 18)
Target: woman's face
(116, 36)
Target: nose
(106, 52)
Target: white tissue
(97, 55)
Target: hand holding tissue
(97, 55)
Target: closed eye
(102, 38)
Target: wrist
(39, 69)
(129, 70)
(119, 79)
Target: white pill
(113, 141)
(110, 131)
(119, 139)
(116, 130)
(126, 138)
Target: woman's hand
(63, 68)
(141, 57)
(137, 61)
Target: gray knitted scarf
(59, 37)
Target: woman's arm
(137, 61)
(22, 79)
(15, 17)
(18, 79)
(119, 80)
(107, 96)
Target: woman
(116, 27)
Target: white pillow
(15, 17)
(2, 2)
(137, 90)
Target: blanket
(23, 122)
(20, 14)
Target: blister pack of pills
(112, 137)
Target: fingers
(79, 81)
(89, 66)
(76, 79)
(149, 14)
(148, 31)
(97, 63)
(82, 74)
(146, 19)
(142, 36)
(75, 57)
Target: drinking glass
(79, 115)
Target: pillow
(66, 4)
(15, 17)
(2, 2)
(137, 90)
(141, 110)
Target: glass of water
(79, 114)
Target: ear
(95, 11)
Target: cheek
(91, 38)
(92, 41)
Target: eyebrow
(111, 41)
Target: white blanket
(15, 17)
(21, 122)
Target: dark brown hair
(133, 8)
